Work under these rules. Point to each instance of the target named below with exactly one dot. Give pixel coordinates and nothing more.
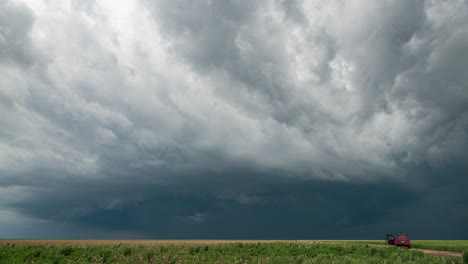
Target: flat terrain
(447, 245)
(441, 245)
(104, 242)
(441, 253)
(209, 251)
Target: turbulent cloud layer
(186, 113)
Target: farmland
(206, 251)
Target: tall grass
(263, 253)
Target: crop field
(207, 251)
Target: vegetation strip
(432, 252)
(150, 251)
(442, 245)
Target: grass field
(151, 251)
(446, 245)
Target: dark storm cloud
(234, 119)
(255, 206)
(252, 206)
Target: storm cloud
(233, 119)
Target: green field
(212, 252)
(446, 245)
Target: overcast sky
(242, 119)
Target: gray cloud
(14, 42)
(334, 82)
(189, 112)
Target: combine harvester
(400, 240)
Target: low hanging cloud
(140, 97)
